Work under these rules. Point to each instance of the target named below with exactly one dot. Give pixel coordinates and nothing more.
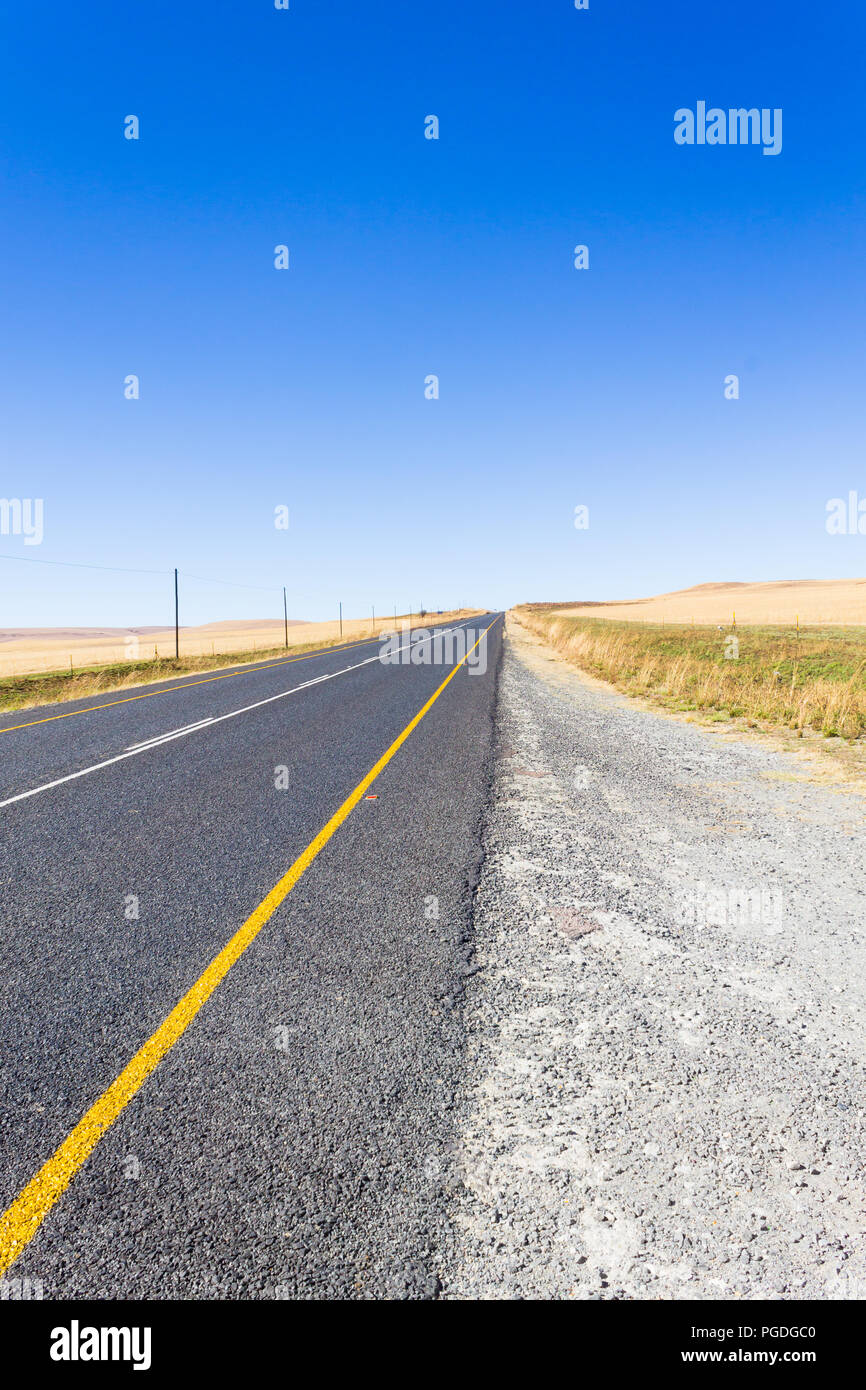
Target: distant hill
(824, 602)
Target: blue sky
(410, 257)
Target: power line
(121, 569)
(232, 583)
(78, 565)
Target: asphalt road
(295, 1140)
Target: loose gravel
(664, 1094)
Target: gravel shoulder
(664, 1091)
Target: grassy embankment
(814, 680)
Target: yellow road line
(20, 1222)
(169, 689)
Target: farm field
(823, 602)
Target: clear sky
(409, 257)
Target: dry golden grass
(822, 602)
(814, 680)
(214, 646)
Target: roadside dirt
(664, 1095)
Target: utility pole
(286, 616)
(176, 622)
(341, 619)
